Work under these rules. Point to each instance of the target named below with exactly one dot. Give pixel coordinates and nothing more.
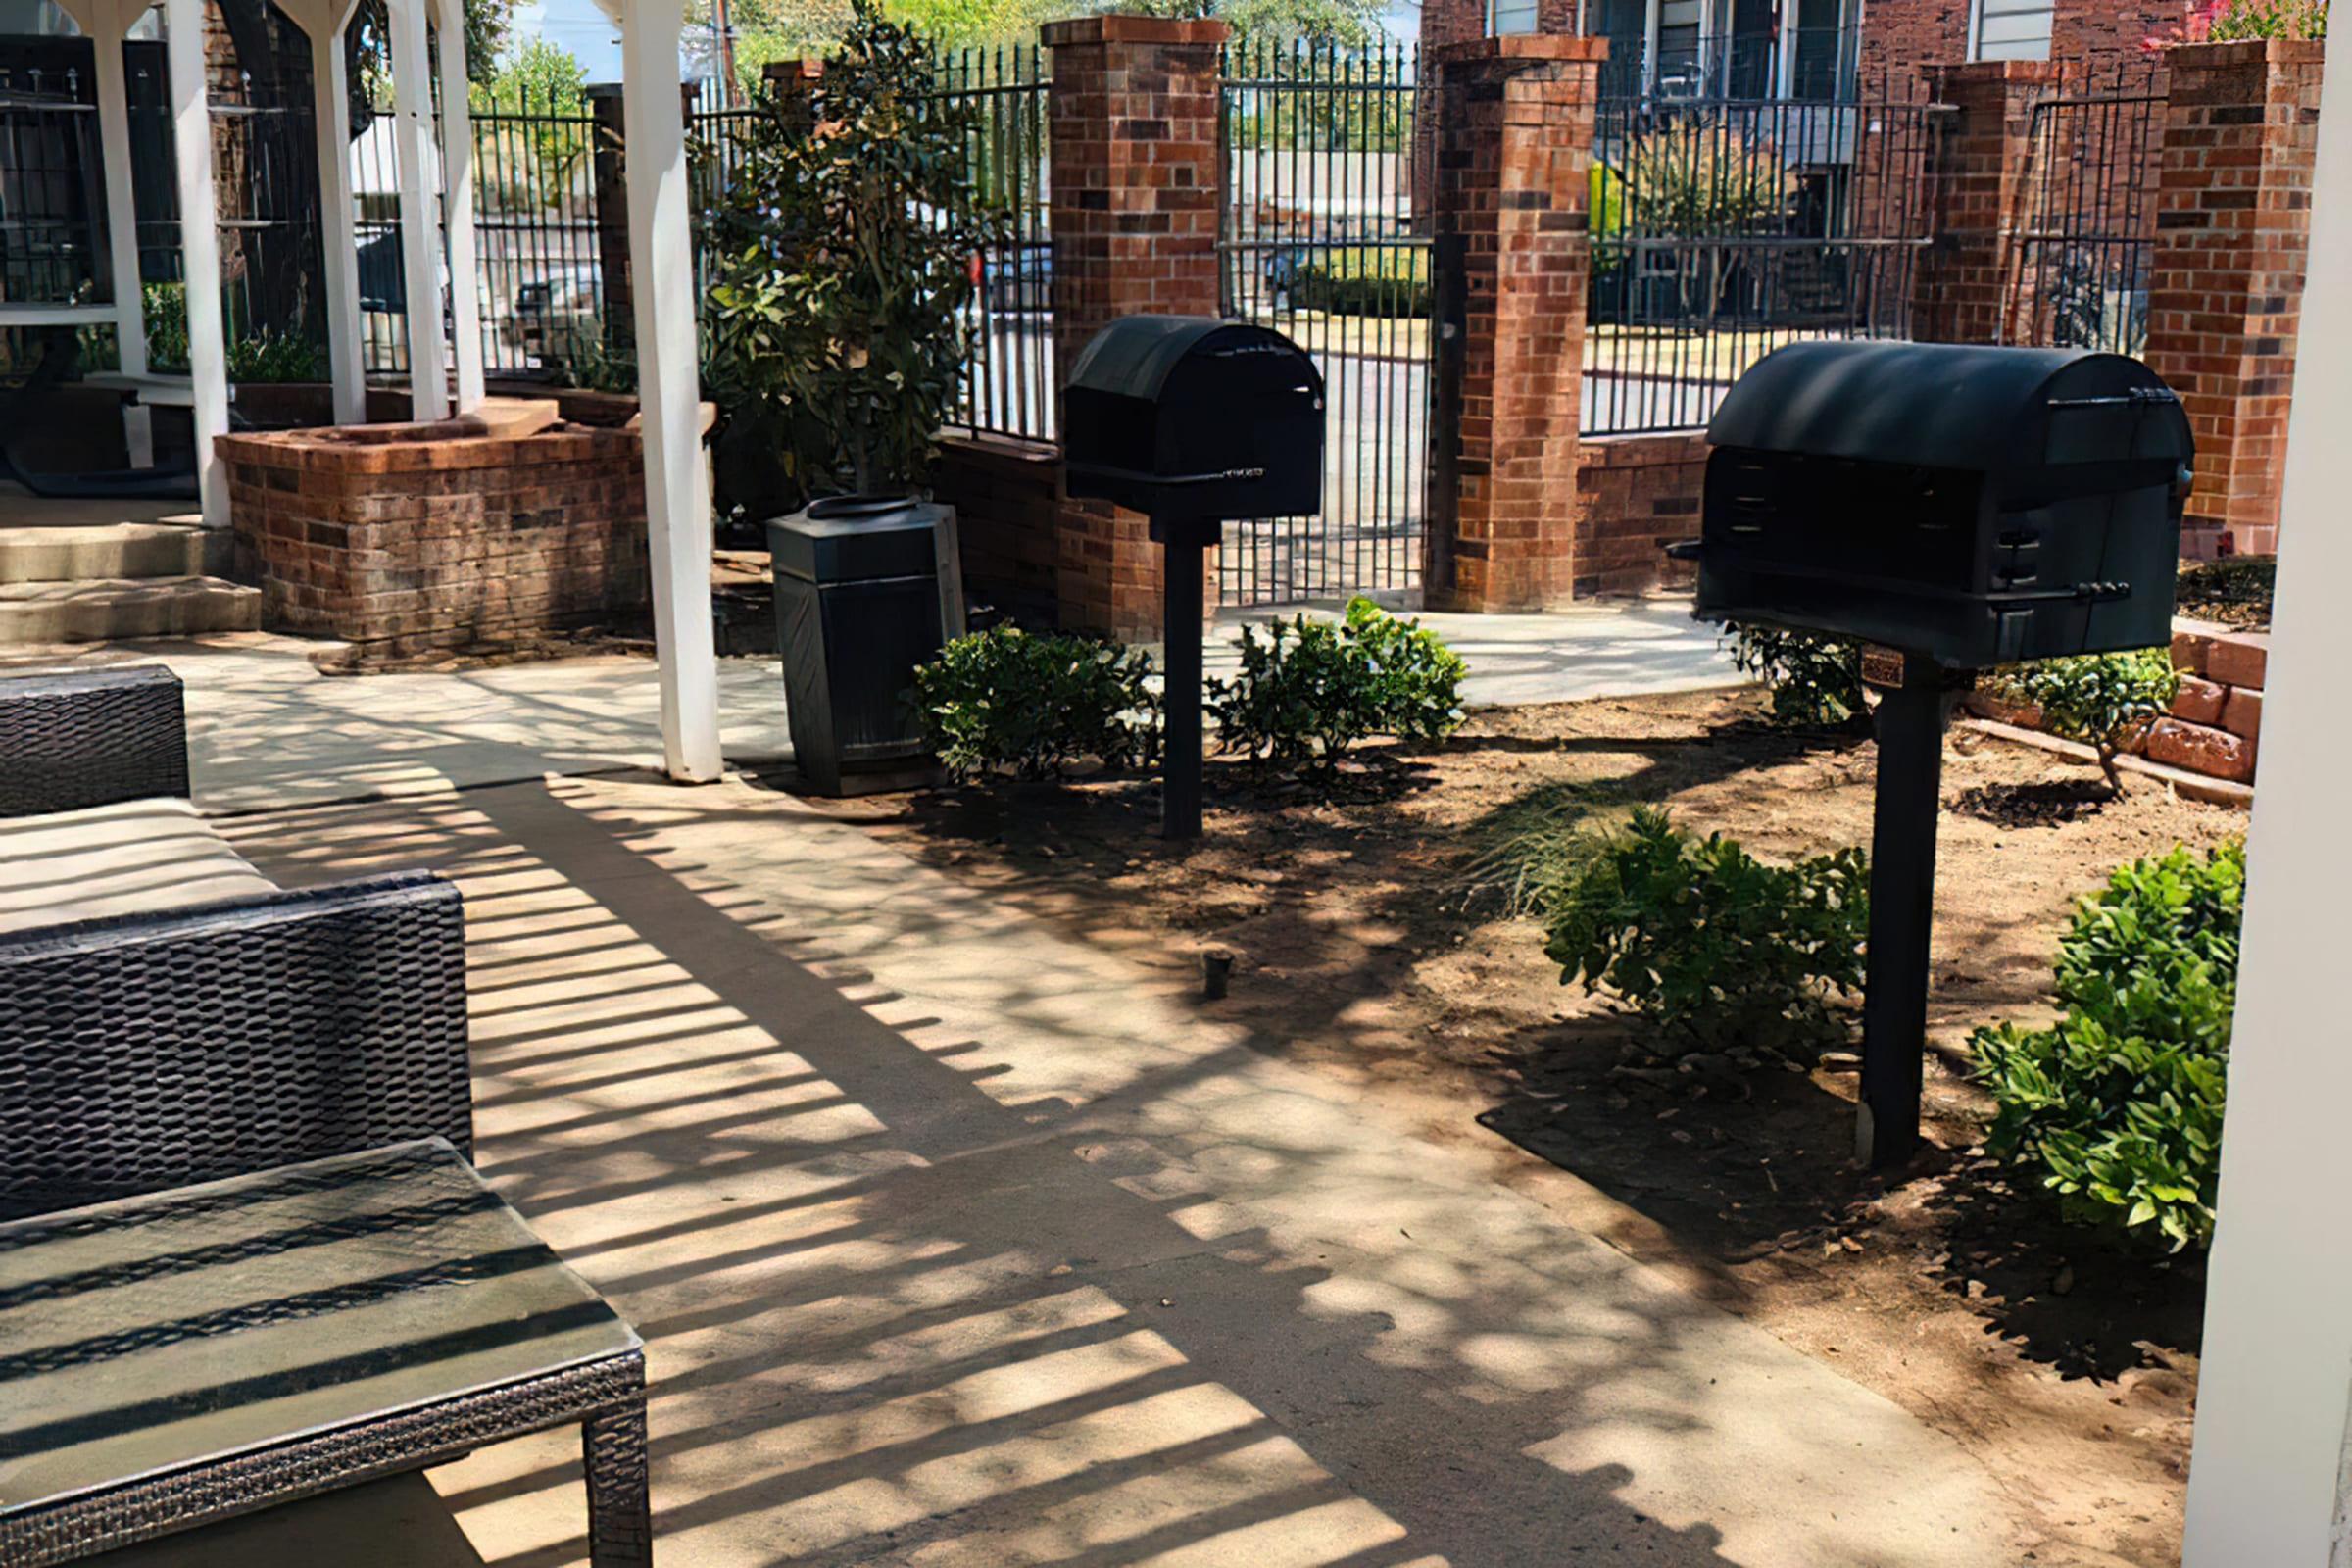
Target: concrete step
(102, 609)
(167, 546)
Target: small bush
(1710, 945)
(254, 357)
(2119, 1103)
(1005, 701)
(1366, 281)
(2103, 700)
(1813, 680)
(1311, 689)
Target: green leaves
(1003, 701)
(1366, 281)
(1812, 680)
(2119, 1102)
(844, 253)
(1311, 689)
(2104, 699)
(1713, 947)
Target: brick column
(2226, 288)
(1135, 181)
(1514, 160)
(1971, 285)
(609, 171)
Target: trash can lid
(857, 538)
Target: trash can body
(858, 605)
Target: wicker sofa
(243, 1256)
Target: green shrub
(1311, 689)
(1005, 701)
(2103, 700)
(1712, 946)
(2119, 1103)
(1813, 680)
(255, 356)
(1366, 281)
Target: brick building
(1808, 48)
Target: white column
(2276, 1388)
(200, 247)
(419, 225)
(121, 227)
(338, 231)
(1784, 68)
(668, 393)
(457, 171)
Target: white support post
(677, 500)
(457, 172)
(419, 225)
(121, 229)
(2274, 1393)
(338, 228)
(200, 248)
(1784, 68)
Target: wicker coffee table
(179, 1357)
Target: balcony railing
(1806, 63)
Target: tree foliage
(2105, 701)
(1700, 180)
(843, 256)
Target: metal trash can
(865, 591)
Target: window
(2012, 29)
(1510, 16)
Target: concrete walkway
(266, 729)
(955, 1242)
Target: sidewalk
(266, 729)
(959, 1242)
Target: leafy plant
(2106, 701)
(254, 357)
(1366, 281)
(1004, 700)
(1691, 180)
(1713, 947)
(2230, 21)
(1311, 689)
(1812, 680)
(2119, 1102)
(843, 256)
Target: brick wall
(1635, 495)
(1515, 151)
(1007, 501)
(2233, 233)
(1135, 188)
(440, 538)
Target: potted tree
(846, 255)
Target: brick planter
(401, 539)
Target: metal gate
(1318, 239)
(2089, 236)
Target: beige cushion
(132, 857)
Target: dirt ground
(2067, 1363)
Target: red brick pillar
(1135, 181)
(2226, 288)
(1971, 285)
(1514, 160)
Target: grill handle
(1683, 550)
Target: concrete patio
(957, 1240)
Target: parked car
(554, 314)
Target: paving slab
(956, 1241)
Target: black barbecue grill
(1977, 505)
(1959, 508)
(1195, 422)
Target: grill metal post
(1911, 717)
(1180, 572)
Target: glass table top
(156, 1333)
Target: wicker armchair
(243, 1258)
(337, 1012)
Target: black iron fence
(2089, 235)
(1722, 230)
(1010, 386)
(52, 210)
(1318, 239)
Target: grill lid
(1134, 356)
(1945, 406)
